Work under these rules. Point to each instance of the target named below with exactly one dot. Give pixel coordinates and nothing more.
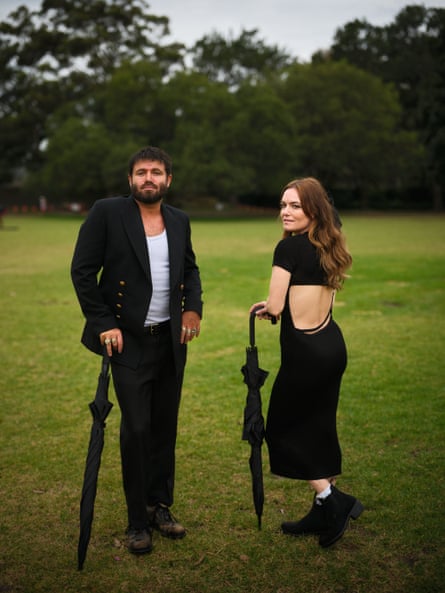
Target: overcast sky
(300, 27)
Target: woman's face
(291, 212)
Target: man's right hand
(113, 340)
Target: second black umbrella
(253, 428)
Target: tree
(129, 103)
(229, 143)
(98, 34)
(234, 60)
(203, 110)
(264, 141)
(95, 136)
(61, 54)
(348, 127)
(73, 164)
(410, 54)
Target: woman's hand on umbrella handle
(113, 340)
(259, 309)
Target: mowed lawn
(391, 423)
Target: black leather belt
(157, 328)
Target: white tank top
(159, 309)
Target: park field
(391, 423)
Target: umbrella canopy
(253, 428)
(100, 408)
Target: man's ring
(183, 328)
(107, 341)
(193, 331)
(113, 341)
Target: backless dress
(301, 430)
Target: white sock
(326, 492)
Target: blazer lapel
(132, 222)
(174, 231)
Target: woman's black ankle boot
(314, 522)
(338, 508)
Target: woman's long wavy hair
(324, 230)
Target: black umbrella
(253, 428)
(100, 408)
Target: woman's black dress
(301, 430)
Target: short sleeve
(285, 255)
(298, 256)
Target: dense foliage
(84, 83)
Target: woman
(309, 265)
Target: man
(144, 309)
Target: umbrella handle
(273, 321)
(105, 363)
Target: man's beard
(149, 195)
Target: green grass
(391, 424)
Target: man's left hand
(190, 327)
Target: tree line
(85, 84)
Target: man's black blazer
(110, 271)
